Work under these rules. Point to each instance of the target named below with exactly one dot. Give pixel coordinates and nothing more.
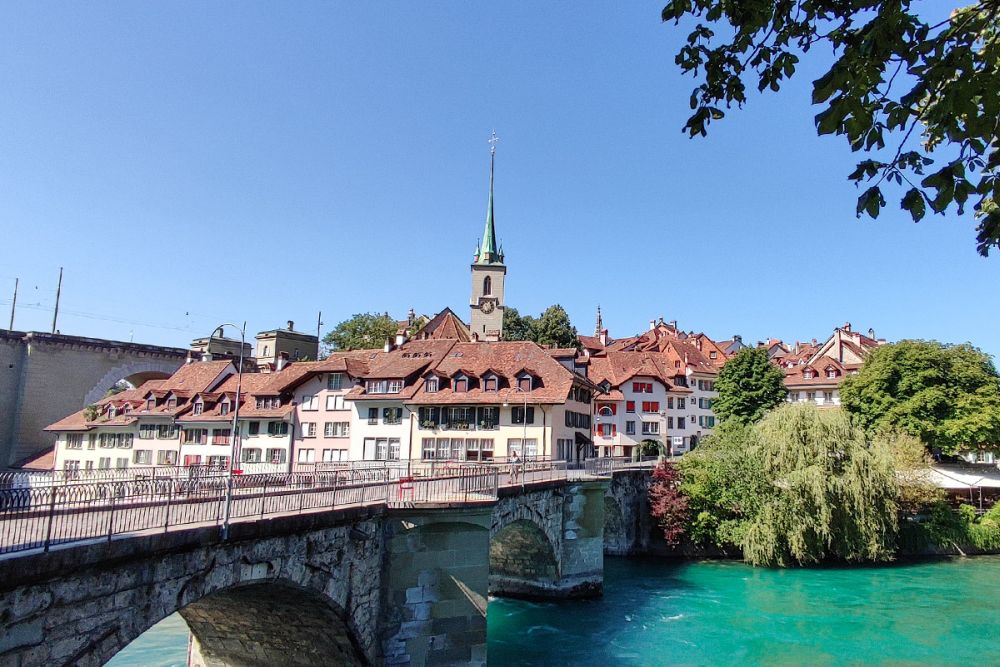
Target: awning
(581, 439)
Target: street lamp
(236, 416)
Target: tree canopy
(801, 486)
(363, 331)
(552, 328)
(948, 396)
(894, 72)
(749, 385)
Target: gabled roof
(446, 325)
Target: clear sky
(192, 163)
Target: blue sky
(191, 163)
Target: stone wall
(628, 528)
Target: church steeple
(488, 252)
(600, 323)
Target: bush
(967, 513)
(668, 504)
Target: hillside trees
(749, 385)
(362, 331)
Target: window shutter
(530, 417)
(614, 408)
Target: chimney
(400, 339)
(282, 361)
(814, 341)
(673, 324)
(652, 324)
(388, 345)
(218, 333)
(604, 336)
(871, 332)
(475, 336)
(847, 326)
(190, 357)
(291, 325)
(737, 338)
(206, 356)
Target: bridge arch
(133, 372)
(522, 551)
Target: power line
(96, 316)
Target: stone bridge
(361, 585)
(44, 377)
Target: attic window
(831, 373)
(150, 403)
(807, 374)
(172, 402)
(395, 386)
(224, 408)
(713, 354)
(490, 383)
(431, 385)
(524, 383)
(112, 412)
(198, 407)
(461, 385)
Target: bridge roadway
(340, 570)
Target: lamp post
(236, 416)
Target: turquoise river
(657, 612)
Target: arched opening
(127, 376)
(256, 625)
(522, 560)
(487, 286)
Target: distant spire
(488, 253)
(600, 323)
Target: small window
(490, 384)
(524, 383)
(431, 385)
(461, 385)
(487, 286)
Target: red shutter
(614, 429)
(614, 408)
(656, 406)
(630, 406)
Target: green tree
(894, 72)
(363, 331)
(749, 385)
(948, 396)
(554, 328)
(801, 486)
(516, 327)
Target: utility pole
(13, 304)
(319, 323)
(55, 313)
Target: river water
(656, 612)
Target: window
(222, 436)
(807, 374)
(308, 429)
(74, 441)
(607, 430)
(381, 449)
(192, 459)
(521, 415)
(427, 450)
(428, 417)
(150, 403)
(680, 423)
(172, 402)
(793, 396)
(393, 449)
(307, 455)
(395, 386)
(642, 387)
(461, 385)
(630, 428)
(811, 396)
(253, 428)
(830, 373)
(336, 429)
(629, 406)
(376, 386)
(487, 286)
(431, 385)
(309, 402)
(335, 381)
(490, 384)
(199, 407)
(670, 402)
(705, 403)
(527, 448)
(650, 406)
(166, 432)
(335, 402)
(221, 462)
(828, 397)
(104, 463)
(461, 418)
(147, 431)
(143, 457)
(524, 383)
(166, 458)
(392, 415)
(650, 428)
(276, 455)
(224, 408)
(194, 436)
(373, 416)
(251, 455)
(713, 354)
(670, 422)
(680, 403)
(91, 440)
(276, 429)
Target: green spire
(488, 253)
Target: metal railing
(606, 466)
(41, 516)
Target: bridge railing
(45, 515)
(606, 466)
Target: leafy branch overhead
(894, 73)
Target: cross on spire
(493, 143)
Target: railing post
(302, 492)
(52, 511)
(170, 494)
(263, 497)
(111, 517)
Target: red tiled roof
(42, 461)
(446, 325)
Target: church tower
(488, 273)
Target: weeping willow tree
(801, 486)
(832, 492)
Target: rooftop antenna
(13, 304)
(55, 313)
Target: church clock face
(487, 306)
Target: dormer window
(259, 404)
(376, 386)
(150, 403)
(713, 354)
(808, 374)
(199, 407)
(431, 385)
(172, 402)
(112, 412)
(128, 408)
(461, 384)
(395, 386)
(524, 383)
(490, 383)
(831, 373)
(224, 408)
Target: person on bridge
(515, 468)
